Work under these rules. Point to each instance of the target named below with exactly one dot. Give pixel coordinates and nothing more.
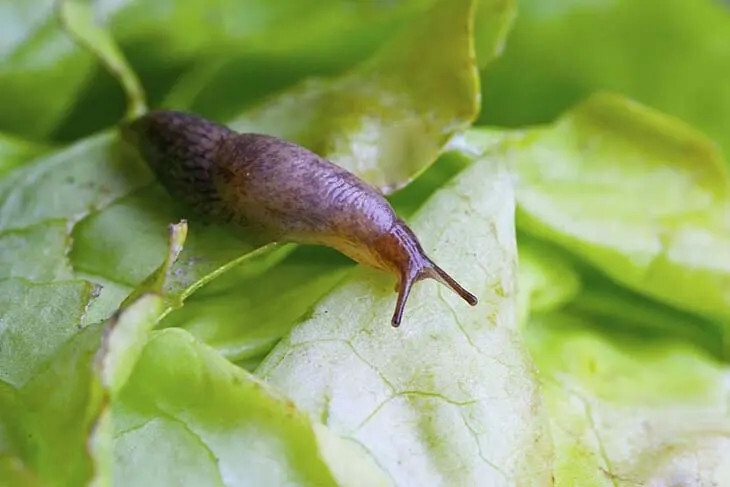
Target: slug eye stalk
(429, 271)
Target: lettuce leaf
(628, 409)
(604, 182)
(263, 45)
(377, 123)
(189, 417)
(41, 68)
(547, 279)
(597, 357)
(451, 396)
(58, 376)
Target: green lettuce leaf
(183, 30)
(58, 376)
(41, 68)
(493, 21)
(306, 40)
(635, 193)
(547, 279)
(246, 311)
(264, 45)
(189, 417)
(42, 199)
(69, 183)
(37, 319)
(629, 409)
(672, 55)
(15, 151)
(53, 395)
(213, 87)
(619, 309)
(450, 397)
(37, 252)
(374, 120)
(77, 17)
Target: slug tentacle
(425, 269)
(281, 191)
(404, 290)
(437, 273)
(408, 257)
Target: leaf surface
(475, 419)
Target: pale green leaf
(57, 377)
(629, 410)
(189, 417)
(36, 253)
(637, 194)
(262, 45)
(65, 431)
(450, 397)
(15, 152)
(69, 183)
(493, 22)
(244, 315)
(35, 320)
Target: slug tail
(437, 273)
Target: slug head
(400, 248)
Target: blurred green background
(216, 58)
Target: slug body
(283, 191)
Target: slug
(283, 191)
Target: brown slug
(283, 191)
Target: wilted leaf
(449, 398)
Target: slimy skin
(284, 192)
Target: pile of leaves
(593, 226)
